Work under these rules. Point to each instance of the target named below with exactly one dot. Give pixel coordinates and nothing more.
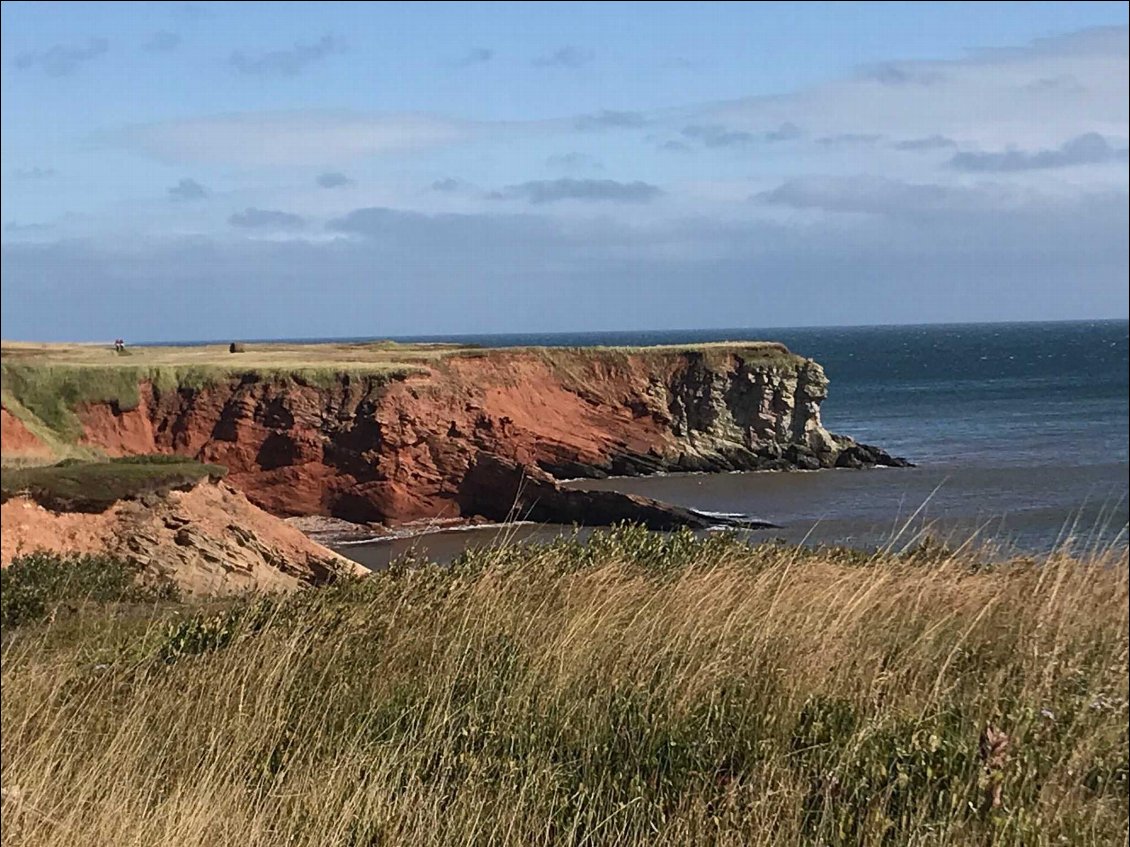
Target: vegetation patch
(35, 585)
(52, 393)
(45, 385)
(82, 486)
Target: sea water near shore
(1019, 432)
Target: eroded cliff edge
(411, 446)
(205, 538)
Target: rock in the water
(500, 489)
(852, 454)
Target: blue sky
(279, 170)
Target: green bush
(196, 636)
(37, 583)
(204, 633)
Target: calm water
(1019, 431)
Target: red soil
(17, 440)
(209, 540)
(119, 433)
(395, 452)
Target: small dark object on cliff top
(237, 347)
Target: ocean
(1019, 432)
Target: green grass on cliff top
(367, 356)
(207, 360)
(77, 486)
(44, 383)
(98, 373)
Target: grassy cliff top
(377, 356)
(277, 357)
(42, 384)
(77, 486)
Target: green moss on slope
(76, 486)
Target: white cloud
(584, 190)
(287, 62)
(1033, 98)
(877, 195)
(1088, 149)
(310, 137)
(62, 59)
(991, 98)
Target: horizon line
(440, 337)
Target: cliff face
(364, 449)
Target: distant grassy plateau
(288, 357)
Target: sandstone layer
(208, 540)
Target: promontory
(391, 433)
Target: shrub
(33, 585)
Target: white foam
(737, 515)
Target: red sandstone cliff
(366, 449)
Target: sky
(176, 171)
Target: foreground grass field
(640, 689)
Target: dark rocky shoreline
(500, 489)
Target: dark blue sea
(1019, 433)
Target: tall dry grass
(640, 689)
